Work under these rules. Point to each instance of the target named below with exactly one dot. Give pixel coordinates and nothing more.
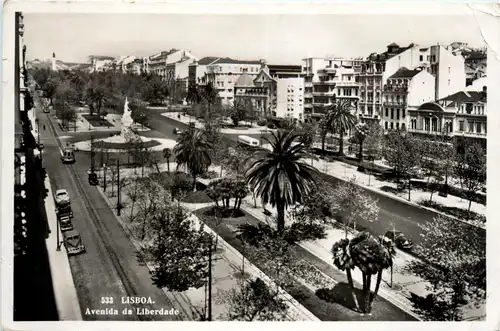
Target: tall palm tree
(279, 176)
(343, 261)
(167, 153)
(340, 119)
(371, 256)
(360, 133)
(193, 151)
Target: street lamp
(57, 233)
(104, 167)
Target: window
(449, 70)
(403, 113)
(478, 127)
(428, 57)
(449, 82)
(427, 124)
(397, 114)
(387, 112)
(392, 113)
(434, 124)
(421, 57)
(392, 125)
(461, 126)
(471, 126)
(386, 125)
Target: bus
(248, 141)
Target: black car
(399, 239)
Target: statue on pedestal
(127, 133)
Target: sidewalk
(198, 124)
(403, 284)
(226, 267)
(67, 303)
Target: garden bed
(183, 187)
(459, 213)
(95, 120)
(125, 145)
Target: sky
(280, 39)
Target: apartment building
(134, 67)
(158, 62)
(197, 70)
(285, 71)
(99, 62)
(290, 98)
(177, 71)
(224, 72)
(405, 88)
(327, 80)
(462, 115)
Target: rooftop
(245, 80)
(405, 73)
(228, 60)
(207, 60)
(432, 106)
(465, 97)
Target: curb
(68, 306)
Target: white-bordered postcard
(249, 162)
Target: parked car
(62, 197)
(73, 242)
(65, 223)
(177, 131)
(399, 239)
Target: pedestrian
(44, 127)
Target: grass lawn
(329, 304)
(95, 120)
(104, 144)
(185, 186)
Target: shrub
(261, 122)
(271, 126)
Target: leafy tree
(228, 188)
(193, 151)
(256, 301)
(316, 206)
(279, 176)
(404, 153)
(470, 169)
(193, 94)
(457, 279)
(373, 144)
(238, 112)
(340, 119)
(353, 203)
(140, 114)
(179, 251)
(307, 133)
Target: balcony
(328, 70)
(325, 82)
(323, 93)
(371, 73)
(395, 104)
(321, 104)
(347, 83)
(395, 88)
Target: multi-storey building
(198, 70)
(99, 63)
(276, 91)
(290, 98)
(177, 71)
(158, 62)
(223, 74)
(462, 115)
(405, 89)
(135, 67)
(327, 80)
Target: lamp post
(58, 248)
(104, 167)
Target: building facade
(290, 98)
(405, 89)
(99, 63)
(223, 74)
(197, 72)
(256, 93)
(177, 72)
(462, 115)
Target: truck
(68, 155)
(248, 141)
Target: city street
(406, 217)
(106, 269)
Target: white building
(224, 73)
(99, 63)
(290, 98)
(198, 70)
(405, 89)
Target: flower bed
(95, 120)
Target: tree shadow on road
(340, 294)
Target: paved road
(405, 217)
(109, 268)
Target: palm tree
(279, 176)
(193, 151)
(343, 261)
(339, 119)
(167, 153)
(371, 255)
(361, 132)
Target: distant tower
(54, 67)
